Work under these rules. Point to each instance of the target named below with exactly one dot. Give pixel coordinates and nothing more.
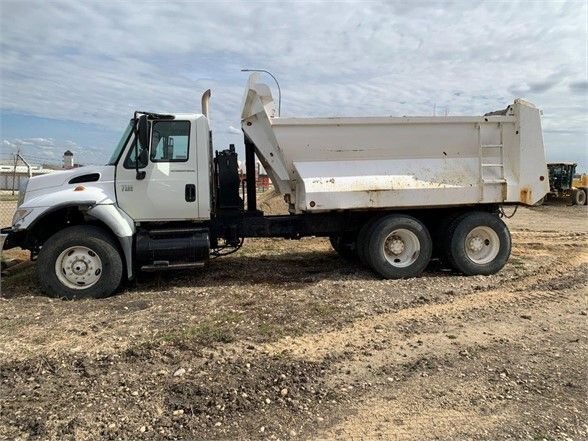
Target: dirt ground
(285, 340)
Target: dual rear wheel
(400, 246)
(476, 243)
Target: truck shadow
(288, 271)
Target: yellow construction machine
(565, 183)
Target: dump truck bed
(358, 163)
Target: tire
(362, 242)
(96, 252)
(439, 233)
(579, 197)
(478, 243)
(399, 247)
(345, 246)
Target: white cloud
(49, 151)
(97, 62)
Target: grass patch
(217, 329)
(208, 333)
(270, 331)
(324, 310)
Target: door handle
(190, 192)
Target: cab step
(163, 265)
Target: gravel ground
(285, 340)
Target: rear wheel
(579, 197)
(345, 246)
(478, 243)
(80, 262)
(439, 233)
(398, 247)
(362, 241)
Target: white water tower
(68, 160)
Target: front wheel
(80, 262)
(478, 243)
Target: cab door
(168, 190)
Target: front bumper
(10, 238)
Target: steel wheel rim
(78, 267)
(482, 245)
(401, 248)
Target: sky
(72, 72)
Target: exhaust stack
(205, 100)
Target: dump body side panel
(391, 162)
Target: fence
(7, 207)
(15, 171)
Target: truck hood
(61, 178)
(91, 184)
(92, 187)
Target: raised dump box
(393, 162)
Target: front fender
(40, 205)
(121, 225)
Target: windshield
(121, 145)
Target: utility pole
(14, 169)
(29, 168)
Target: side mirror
(142, 139)
(143, 131)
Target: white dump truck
(391, 192)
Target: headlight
(19, 215)
(22, 189)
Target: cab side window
(170, 141)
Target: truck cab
(168, 178)
(140, 209)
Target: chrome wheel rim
(482, 245)
(78, 267)
(402, 248)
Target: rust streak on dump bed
(526, 196)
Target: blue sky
(72, 73)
